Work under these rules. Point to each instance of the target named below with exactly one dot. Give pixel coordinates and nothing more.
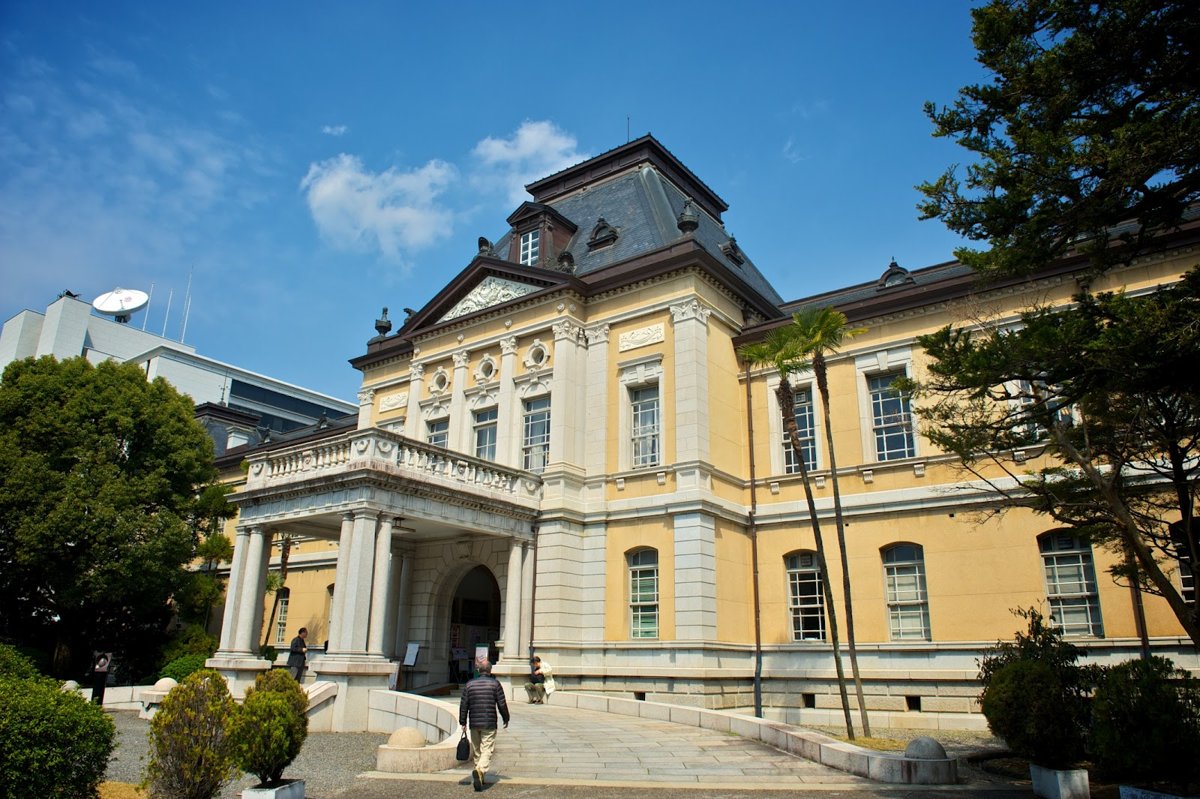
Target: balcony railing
(380, 449)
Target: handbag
(464, 748)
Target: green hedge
(189, 747)
(269, 728)
(53, 743)
(181, 667)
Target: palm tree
(285, 551)
(783, 349)
(824, 330)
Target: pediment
(492, 290)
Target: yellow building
(561, 452)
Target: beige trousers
(483, 744)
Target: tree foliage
(102, 495)
(1108, 391)
(190, 754)
(1087, 137)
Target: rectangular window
(805, 598)
(535, 446)
(805, 429)
(643, 594)
(281, 617)
(907, 599)
(485, 434)
(644, 403)
(1071, 584)
(529, 247)
(1187, 582)
(438, 432)
(891, 420)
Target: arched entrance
(474, 621)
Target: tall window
(891, 420)
(907, 599)
(485, 434)
(643, 593)
(281, 616)
(535, 445)
(438, 432)
(1187, 582)
(1071, 584)
(805, 598)
(805, 429)
(529, 247)
(644, 402)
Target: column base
(355, 675)
(239, 669)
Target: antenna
(167, 315)
(121, 304)
(146, 318)
(627, 128)
(187, 304)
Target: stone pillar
(366, 402)
(233, 590)
(695, 577)
(508, 414)
(340, 580)
(596, 407)
(403, 578)
(512, 604)
(380, 583)
(526, 599)
(412, 417)
(691, 387)
(250, 604)
(356, 611)
(566, 422)
(460, 424)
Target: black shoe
(477, 779)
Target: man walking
(298, 655)
(482, 697)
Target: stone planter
(1053, 783)
(286, 789)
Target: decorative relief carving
(256, 469)
(641, 337)
(440, 381)
(508, 346)
(597, 335)
(366, 397)
(486, 370)
(491, 291)
(537, 356)
(393, 401)
(417, 371)
(567, 330)
(691, 310)
(384, 446)
(461, 359)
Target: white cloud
(791, 153)
(335, 130)
(536, 149)
(390, 211)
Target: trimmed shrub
(179, 668)
(190, 755)
(1035, 696)
(1146, 723)
(53, 743)
(14, 664)
(269, 728)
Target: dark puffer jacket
(481, 697)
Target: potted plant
(267, 732)
(1035, 697)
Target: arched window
(643, 593)
(1071, 583)
(907, 599)
(806, 599)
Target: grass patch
(120, 790)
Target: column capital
(693, 310)
(366, 397)
(508, 346)
(567, 330)
(416, 371)
(597, 334)
(461, 358)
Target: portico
(410, 519)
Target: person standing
(298, 655)
(541, 681)
(482, 701)
(100, 663)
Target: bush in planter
(189, 740)
(1035, 696)
(53, 743)
(1146, 723)
(179, 668)
(269, 728)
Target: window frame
(914, 602)
(438, 428)
(808, 442)
(285, 595)
(483, 421)
(883, 430)
(1058, 549)
(644, 435)
(639, 570)
(535, 444)
(529, 247)
(801, 569)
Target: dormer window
(602, 235)
(529, 247)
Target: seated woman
(541, 682)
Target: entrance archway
(474, 621)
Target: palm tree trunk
(285, 550)
(823, 387)
(786, 401)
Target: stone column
(380, 583)
(692, 433)
(526, 599)
(566, 421)
(512, 604)
(356, 611)
(460, 425)
(412, 417)
(508, 414)
(695, 577)
(340, 580)
(233, 590)
(596, 435)
(366, 402)
(250, 605)
(402, 600)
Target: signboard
(410, 654)
(481, 652)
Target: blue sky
(308, 163)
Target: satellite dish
(120, 304)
